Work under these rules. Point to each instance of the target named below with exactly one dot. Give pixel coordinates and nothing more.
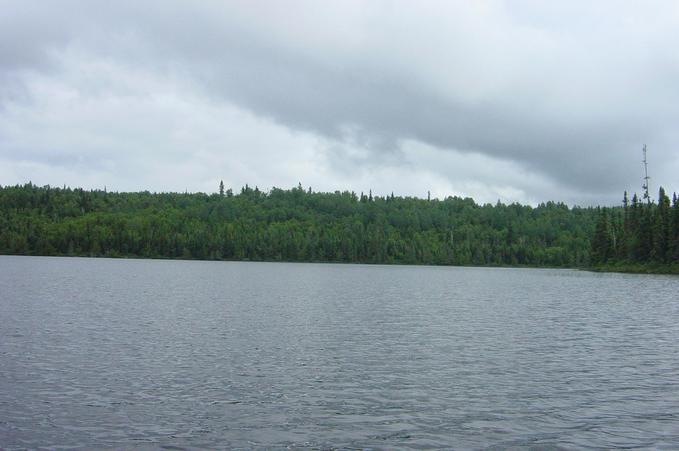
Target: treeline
(292, 225)
(641, 233)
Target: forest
(642, 235)
(300, 225)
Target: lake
(157, 353)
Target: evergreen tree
(674, 230)
(661, 228)
(293, 225)
(645, 237)
(602, 243)
(625, 232)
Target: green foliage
(674, 230)
(644, 238)
(292, 225)
(603, 243)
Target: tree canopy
(292, 225)
(639, 233)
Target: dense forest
(302, 225)
(292, 225)
(641, 234)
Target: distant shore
(612, 268)
(637, 268)
(300, 225)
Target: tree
(221, 188)
(645, 235)
(625, 232)
(674, 231)
(661, 228)
(602, 243)
(293, 225)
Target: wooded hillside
(292, 225)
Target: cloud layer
(512, 100)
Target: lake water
(130, 353)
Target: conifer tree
(661, 228)
(645, 235)
(602, 246)
(624, 236)
(674, 230)
(633, 228)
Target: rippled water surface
(123, 353)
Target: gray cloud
(565, 93)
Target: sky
(517, 101)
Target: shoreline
(620, 269)
(632, 268)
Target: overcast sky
(523, 101)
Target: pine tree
(644, 246)
(624, 238)
(661, 228)
(221, 188)
(636, 213)
(616, 227)
(602, 246)
(674, 231)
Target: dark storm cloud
(569, 92)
